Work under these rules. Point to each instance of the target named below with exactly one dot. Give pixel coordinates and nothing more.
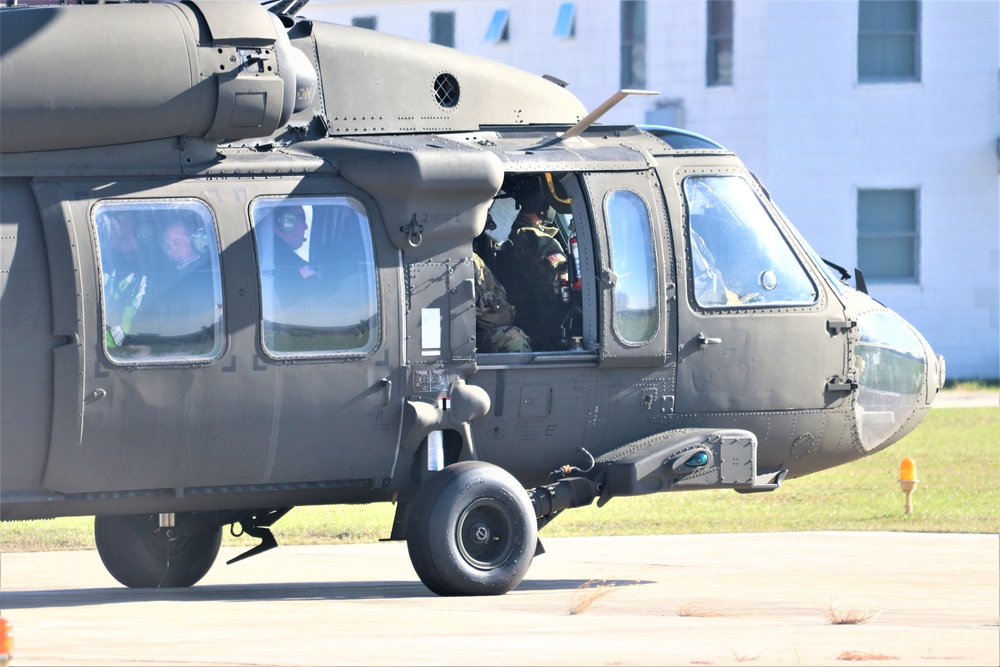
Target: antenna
(604, 107)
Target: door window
(738, 256)
(162, 289)
(317, 276)
(633, 264)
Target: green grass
(958, 464)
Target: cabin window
(634, 267)
(317, 276)
(162, 289)
(888, 41)
(719, 56)
(738, 257)
(888, 240)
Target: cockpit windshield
(739, 258)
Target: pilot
(494, 315)
(533, 266)
(710, 288)
(179, 314)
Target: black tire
(472, 531)
(140, 554)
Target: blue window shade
(499, 30)
(566, 21)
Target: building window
(566, 21)
(443, 28)
(317, 276)
(369, 22)
(159, 266)
(719, 51)
(499, 30)
(888, 40)
(888, 235)
(633, 42)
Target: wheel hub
(485, 534)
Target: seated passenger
(291, 271)
(494, 315)
(180, 312)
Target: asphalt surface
(765, 599)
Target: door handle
(704, 341)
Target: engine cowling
(106, 74)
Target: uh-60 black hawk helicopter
(251, 261)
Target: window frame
(614, 226)
(715, 12)
(435, 28)
(170, 205)
(870, 235)
(259, 220)
(498, 31)
(785, 235)
(632, 40)
(869, 35)
(565, 27)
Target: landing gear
(472, 531)
(140, 554)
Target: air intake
(446, 90)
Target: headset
(288, 218)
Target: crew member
(495, 315)
(533, 266)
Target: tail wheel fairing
(140, 554)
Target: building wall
(798, 118)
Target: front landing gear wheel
(472, 531)
(140, 554)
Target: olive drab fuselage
(335, 184)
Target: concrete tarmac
(766, 599)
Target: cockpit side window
(636, 307)
(317, 276)
(162, 288)
(738, 257)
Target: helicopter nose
(898, 377)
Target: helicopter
(243, 270)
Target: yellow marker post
(908, 480)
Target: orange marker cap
(6, 641)
(907, 470)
